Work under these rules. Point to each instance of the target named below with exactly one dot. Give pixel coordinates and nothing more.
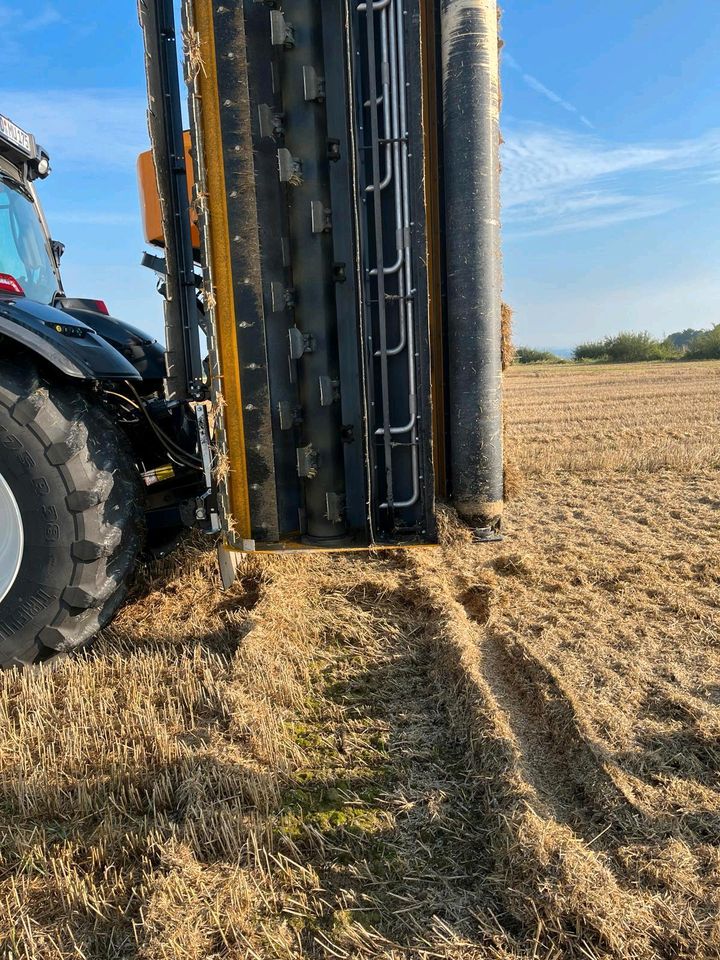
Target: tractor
(326, 243)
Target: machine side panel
(390, 151)
(313, 156)
(228, 204)
(344, 193)
(423, 252)
(267, 125)
(246, 260)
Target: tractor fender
(67, 343)
(143, 351)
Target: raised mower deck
(321, 195)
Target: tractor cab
(29, 259)
(30, 265)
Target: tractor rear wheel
(70, 516)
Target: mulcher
(326, 241)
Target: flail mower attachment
(345, 171)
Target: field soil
(505, 751)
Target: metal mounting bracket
(300, 343)
(321, 217)
(329, 391)
(314, 85)
(283, 298)
(282, 32)
(290, 167)
(290, 415)
(335, 507)
(271, 123)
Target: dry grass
(463, 752)
(628, 419)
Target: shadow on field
(387, 814)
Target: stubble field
(459, 752)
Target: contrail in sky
(544, 91)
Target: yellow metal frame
(228, 393)
(297, 546)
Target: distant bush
(593, 350)
(706, 346)
(683, 338)
(528, 355)
(627, 348)
(633, 347)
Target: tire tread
(104, 496)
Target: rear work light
(8, 284)
(69, 329)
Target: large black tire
(80, 500)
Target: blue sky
(611, 163)
(73, 76)
(612, 166)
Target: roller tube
(472, 229)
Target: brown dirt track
(462, 752)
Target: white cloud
(48, 16)
(16, 25)
(88, 130)
(555, 181)
(19, 22)
(544, 91)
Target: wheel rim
(12, 539)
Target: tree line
(629, 347)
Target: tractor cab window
(24, 252)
